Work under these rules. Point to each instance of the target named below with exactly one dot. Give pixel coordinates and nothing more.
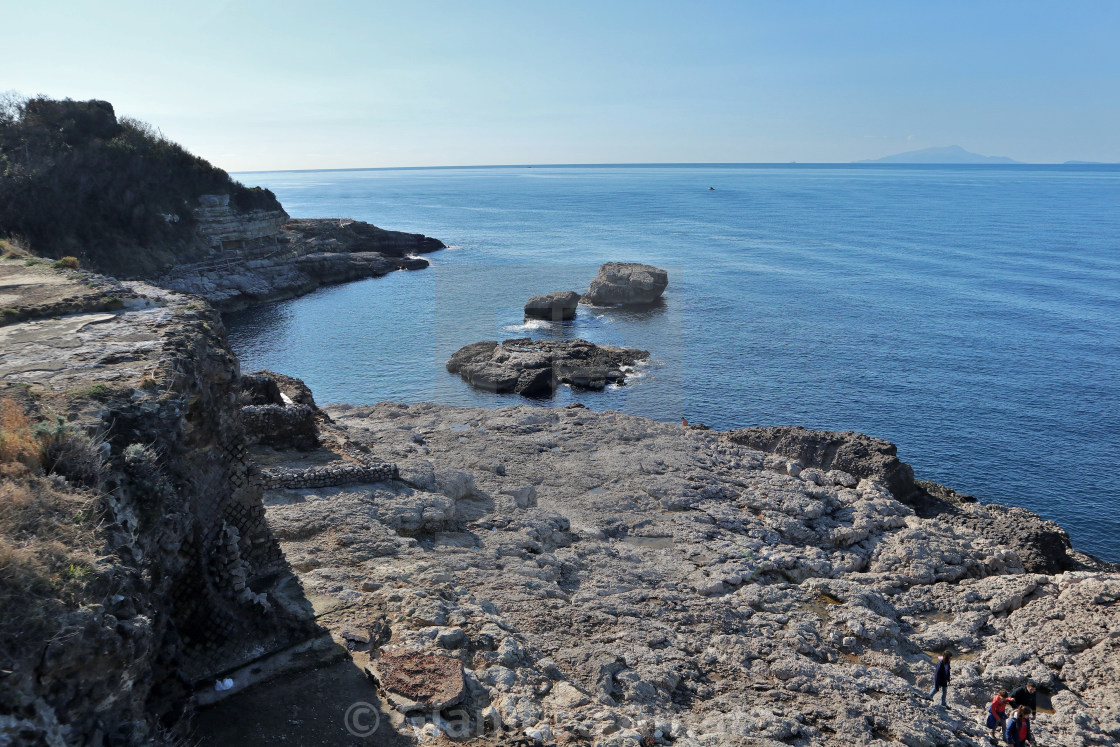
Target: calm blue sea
(969, 314)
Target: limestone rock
(854, 453)
(534, 368)
(556, 307)
(254, 258)
(663, 579)
(626, 284)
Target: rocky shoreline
(593, 578)
(562, 576)
(277, 262)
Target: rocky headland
(255, 261)
(193, 555)
(593, 578)
(114, 196)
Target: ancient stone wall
(341, 473)
(281, 426)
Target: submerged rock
(558, 306)
(626, 284)
(534, 368)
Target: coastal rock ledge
(534, 368)
(296, 259)
(614, 581)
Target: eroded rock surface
(534, 368)
(626, 284)
(295, 259)
(610, 580)
(556, 307)
(178, 574)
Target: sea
(969, 314)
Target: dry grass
(13, 248)
(67, 263)
(18, 442)
(48, 537)
(51, 446)
(48, 544)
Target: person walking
(941, 677)
(1025, 695)
(997, 714)
(1018, 732)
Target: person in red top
(997, 714)
(1018, 732)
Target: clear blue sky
(272, 85)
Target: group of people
(1023, 703)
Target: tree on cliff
(76, 180)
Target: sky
(302, 85)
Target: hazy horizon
(665, 164)
(257, 86)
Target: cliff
(257, 258)
(77, 181)
(123, 200)
(136, 560)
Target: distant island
(944, 154)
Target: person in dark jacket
(1018, 732)
(1025, 695)
(941, 678)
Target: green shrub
(67, 263)
(86, 180)
(97, 391)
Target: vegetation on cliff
(49, 475)
(77, 180)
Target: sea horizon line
(708, 164)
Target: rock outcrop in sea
(555, 307)
(626, 284)
(534, 368)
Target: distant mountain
(946, 154)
